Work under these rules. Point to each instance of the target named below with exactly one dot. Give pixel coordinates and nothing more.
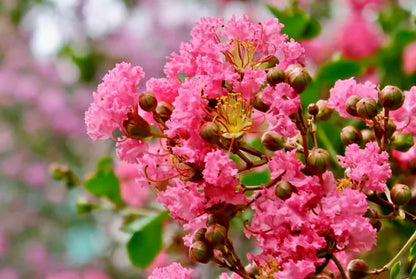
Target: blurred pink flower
(173, 271)
(409, 58)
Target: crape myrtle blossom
(218, 89)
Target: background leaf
(395, 271)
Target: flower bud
(199, 235)
(84, 206)
(258, 103)
(400, 194)
(137, 128)
(351, 104)
(368, 135)
(367, 108)
(284, 190)
(147, 101)
(252, 269)
(379, 129)
(164, 110)
(275, 76)
(270, 62)
(351, 134)
(402, 142)
(324, 112)
(216, 235)
(374, 219)
(313, 109)
(65, 174)
(318, 161)
(200, 252)
(210, 132)
(218, 218)
(357, 269)
(391, 97)
(298, 77)
(272, 141)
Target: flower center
(233, 115)
(241, 55)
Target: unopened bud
(252, 269)
(324, 111)
(65, 174)
(351, 134)
(402, 142)
(275, 76)
(391, 97)
(374, 219)
(318, 161)
(199, 235)
(368, 135)
(200, 252)
(284, 190)
(351, 104)
(357, 269)
(379, 129)
(258, 103)
(216, 235)
(272, 141)
(298, 77)
(269, 63)
(164, 110)
(210, 132)
(137, 128)
(147, 101)
(84, 206)
(367, 108)
(400, 194)
(218, 218)
(313, 109)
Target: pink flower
(346, 88)
(173, 271)
(405, 116)
(409, 58)
(113, 100)
(366, 166)
(131, 149)
(132, 192)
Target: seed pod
(391, 97)
(199, 235)
(216, 235)
(275, 76)
(298, 77)
(210, 132)
(357, 269)
(258, 103)
(318, 161)
(272, 141)
(351, 134)
(402, 142)
(164, 110)
(200, 252)
(324, 112)
(147, 101)
(351, 104)
(367, 108)
(400, 194)
(284, 190)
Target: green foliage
(395, 270)
(87, 62)
(412, 274)
(256, 178)
(104, 182)
(412, 251)
(146, 241)
(298, 25)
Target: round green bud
(216, 235)
(324, 112)
(147, 101)
(298, 77)
(402, 142)
(351, 134)
(357, 269)
(367, 108)
(210, 132)
(368, 135)
(400, 194)
(164, 110)
(284, 190)
(318, 161)
(269, 62)
(200, 252)
(275, 76)
(391, 97)
(351, 104)
(258, 103)
(272, 141)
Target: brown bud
(210, 132)
(164, 110)
(324, 112)
(258, 103)
(351, 134)
(402, 142)
(284, 190)
(357, 269)
(298, 77)
(379, 129)
(318, 161)
(218, 218)
(275, 76)
(367, 108)
(368, 135)
(313, 109)
(137, 128)
(272, 141)
(400, 194)
(216, 235)
(391, 97)
(351, 104)
(147, 101)
(374, 219)
(199, 235)
(200, 252)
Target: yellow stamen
(268, 270)
(241, 55)
(343, 184)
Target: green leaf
(256, 178)
(312, 29)
(141, 223)
(104, 183)
(395, 270)
(412, 274)
(412, 251)
(145, 244)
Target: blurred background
(53, 54)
